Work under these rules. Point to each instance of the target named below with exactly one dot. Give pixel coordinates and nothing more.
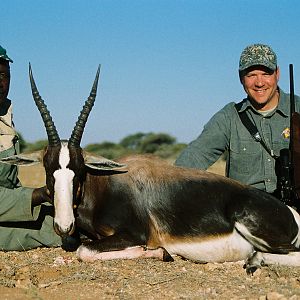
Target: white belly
(232, 247)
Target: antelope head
(64, 161)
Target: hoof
(250, 269)
(254, 262)
(70, 243)
(166, 256)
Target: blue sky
(167, 65)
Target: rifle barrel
(292, 93)
(292, 106)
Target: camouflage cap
(258, 55)
(3, 55)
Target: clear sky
(167, 65)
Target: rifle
(295, 140)
(289, 159)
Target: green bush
(152, 141)
(107, 149)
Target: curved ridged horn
(53, 138)
(77, 132)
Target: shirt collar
(283, 105)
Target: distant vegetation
(161, 144)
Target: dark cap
(3, 55)
(258, 55)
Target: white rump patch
(63, 192)
(296, 240)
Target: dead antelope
(141, 206)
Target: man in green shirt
(26, 217)
(267, 106)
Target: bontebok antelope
(141, 206)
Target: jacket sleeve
(210, 144)
(15, 205)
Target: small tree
(153, 141)
(133, 141)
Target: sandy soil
(56, 274)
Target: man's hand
(40, 195)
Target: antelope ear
(24, 159)
(101, 163)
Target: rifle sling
(252, 129)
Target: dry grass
(55, 274)
(32, 176)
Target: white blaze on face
(63, 192)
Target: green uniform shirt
(21, 226)
(247, 161)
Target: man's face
(260, 84)
(4, 81)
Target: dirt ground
(56, 274)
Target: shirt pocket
(278, 145)
(245, 158)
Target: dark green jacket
(247, 161)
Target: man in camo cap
(25, 220)
(268, 108)
(259, 76)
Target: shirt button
(269, 159)
(268, 180)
